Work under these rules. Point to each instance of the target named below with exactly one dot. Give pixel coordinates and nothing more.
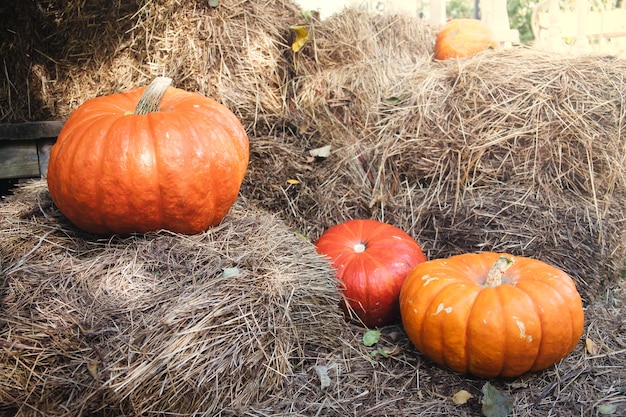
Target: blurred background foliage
(520, 11)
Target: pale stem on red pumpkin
(359, 247)
(151, 98)
(495, 274)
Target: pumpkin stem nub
(359, 247)
(151, 98)
(495, 274)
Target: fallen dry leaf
(461, 397)
(323, 152)
(592, 347)
(322, 373)
(302, 37)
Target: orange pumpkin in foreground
(372, 260)
(491, 314)
(462, 38)
(135, 162)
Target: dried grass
(511, 150)
(358, 37)
(154, 324)
(149, 325)
(78, 50)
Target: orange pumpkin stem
(151, 98)
(495, 274)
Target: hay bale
(510, 149)
(561, 228)
(511, 115)
(58, 54)
(160, 323)
(130, 333)
(355, 36)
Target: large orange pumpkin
(174, 161)
(491, 314)
(372, 259)
(462, 38)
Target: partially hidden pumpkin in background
(462, 38)
(371, 259)
(491, 314)
(175, 161)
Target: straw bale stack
(355, 36)
(510, 150)
(151, 325)
(156, 324)
(58, 54)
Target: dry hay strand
(363, 382)
(488, 153)
(156, 324)
(235, 53)
(501, 218)
(563, 229)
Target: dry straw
(240, 320)
(512, 150)
(509, 151)
(160, 323)
(59, 54)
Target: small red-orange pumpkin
(372, 260)
(491, 314)
(174, 161)
(461, 38)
